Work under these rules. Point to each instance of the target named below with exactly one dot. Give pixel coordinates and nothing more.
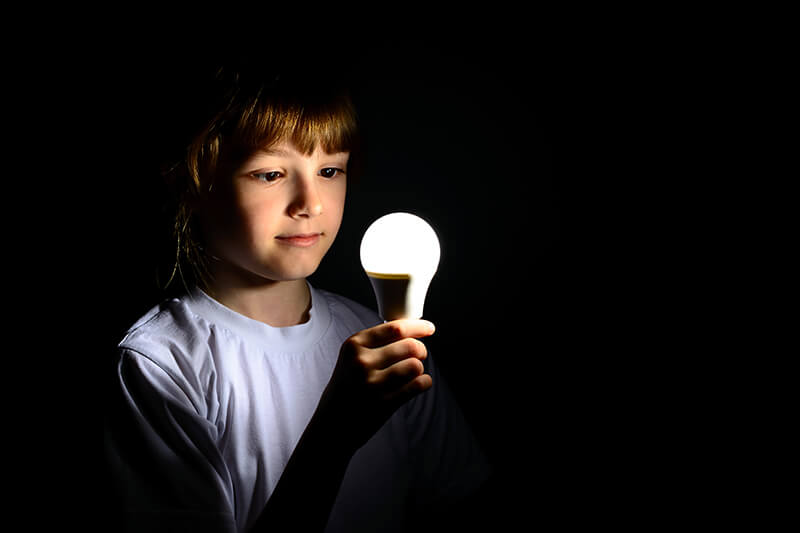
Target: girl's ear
(194, 202)
(199, 203)
(200, 191)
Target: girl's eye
(269, 177)
(330, 172)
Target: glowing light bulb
(400, 253)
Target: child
(253, 401)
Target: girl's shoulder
(344, 309)
(168, 330)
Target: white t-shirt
(210, 404)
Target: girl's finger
(387, 333)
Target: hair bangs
(329, 125)
(332, 129)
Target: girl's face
(279, 214)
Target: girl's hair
(248, 108)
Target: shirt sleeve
(166, 472)
(448, 462)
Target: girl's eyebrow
(279, 152)
(274, 151)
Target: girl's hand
(379, 369)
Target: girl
(253, 401)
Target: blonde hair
(250, 110)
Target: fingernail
(430, 325)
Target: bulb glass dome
(400, 254)
(400, 243)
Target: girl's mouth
(302, 240)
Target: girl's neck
(276, 303)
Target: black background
(597, 375)
(488, 143)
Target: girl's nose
(307, 202)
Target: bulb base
(398, 295)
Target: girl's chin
(290, 272)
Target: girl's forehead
(286, 148)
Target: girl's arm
(379, 369)
(165, 470)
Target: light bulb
(400, 254)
